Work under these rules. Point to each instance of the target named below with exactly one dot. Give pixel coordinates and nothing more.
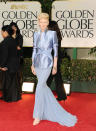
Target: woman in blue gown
(46, 106)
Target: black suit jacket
(8, 54)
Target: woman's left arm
(4, 56)
(20, 42)
(55, 48)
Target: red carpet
(17, 116)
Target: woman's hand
(33, 70)
(18, 48)
(54, 70)
(4, 69)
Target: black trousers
(58, 83)
(11, 89)
(19, 73)
(0, 80)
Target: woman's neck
(14, 35)
(43, 30)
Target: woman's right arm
(4, 54)
(33, 53)
(34, 47)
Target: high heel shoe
(36, 122)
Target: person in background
(9, 66)
(0, 69)
(19, 41)
(0, 79)
(57, 77)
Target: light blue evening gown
(46, 106)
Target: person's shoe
(1, 98)
(36, 122)
(60, 99)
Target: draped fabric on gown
(46, 106)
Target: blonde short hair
(43, 16)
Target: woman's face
(43, 23)
(4, 34)
(14, 28)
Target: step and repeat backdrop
(76, 20)
(24, 14)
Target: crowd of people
(10, 68)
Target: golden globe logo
(76, 23)
(18, 6)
